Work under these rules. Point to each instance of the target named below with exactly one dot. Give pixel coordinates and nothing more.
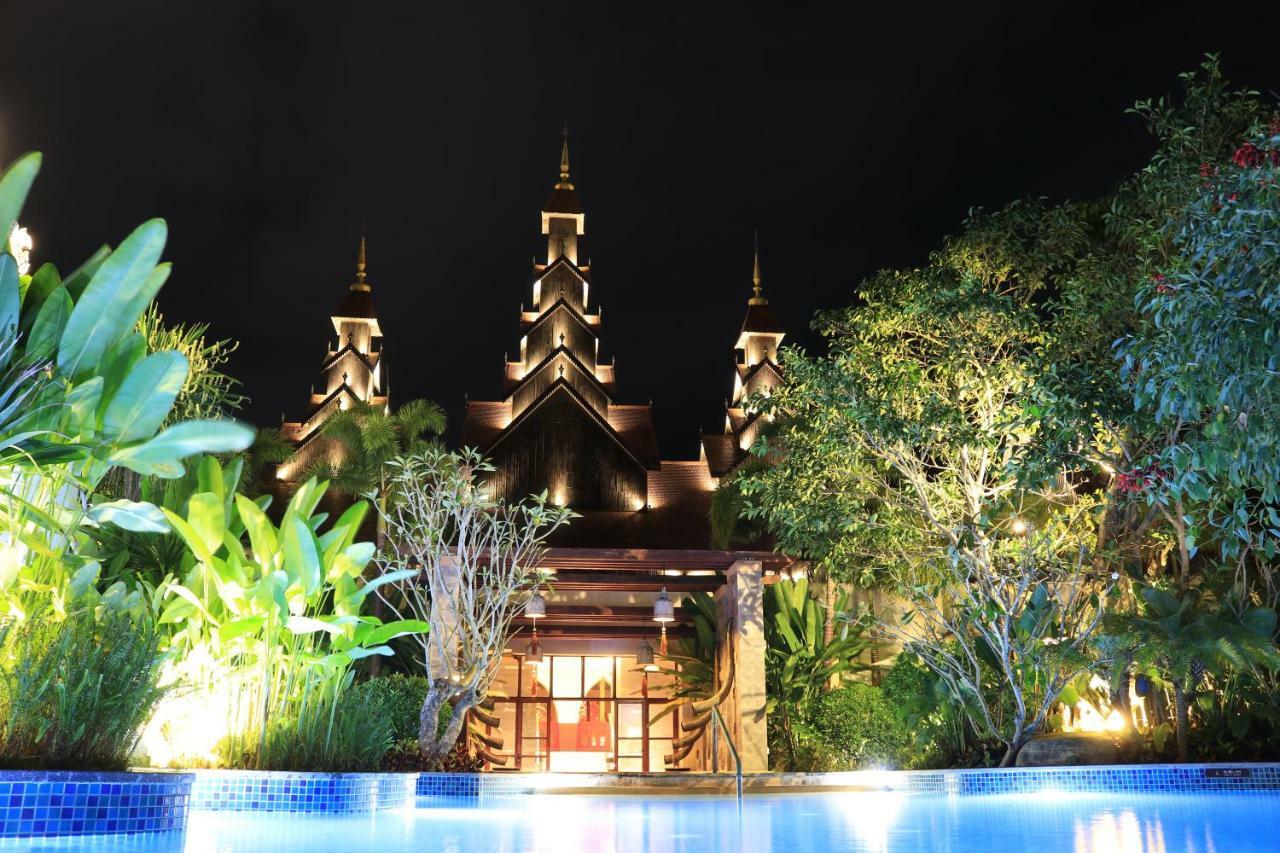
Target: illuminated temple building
(576, 698)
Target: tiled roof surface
(678, 517)
(634, 425)
(760, 319)
(356, 303)
(722, 452)
(563, 201)
(483, 422)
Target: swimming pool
(883, 822)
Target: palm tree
(369, 437)
(269, 448)
(1181, 639)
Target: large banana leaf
(116, 296)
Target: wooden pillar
(740, 626)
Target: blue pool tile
(45, 804)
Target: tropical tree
(81, 395)
(209, 392)
(368, 437)
(1204, 364)
(980, 395)
(1181, 638)
(465, 562)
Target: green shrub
(800, 750)
(859, 725)
(350, 735)
(399, 698)
(942, 733)
(76, 692)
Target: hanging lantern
(644, 654)
(533, 652)
(663, 610)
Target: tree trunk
(1120, 702)
(434, 752)
(1012, 749)
(428, 718)
(829, 604)
(1181, 703)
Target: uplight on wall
(663, 612)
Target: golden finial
(564, 162)
(360, 283)
(758, 297)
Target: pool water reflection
(794, 823)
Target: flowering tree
(465, 562)
(1205, 364)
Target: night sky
(854, 136)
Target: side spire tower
(353, 371)
(755, 370)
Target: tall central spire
(562, 218)
(757, 290)
(360, 283)
(564, 183)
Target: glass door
(583, 713)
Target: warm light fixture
(663, 609)
(644, 654)
(533, 652)
(1019, 527)
(663, 612)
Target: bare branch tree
(1020, 613)
(466, 563)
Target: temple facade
(587, 693)
(582, 685)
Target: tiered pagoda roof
(559, 425)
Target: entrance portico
(587, 705)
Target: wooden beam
(578, 580)
(602, 632)
(655, 559)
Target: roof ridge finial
(564, 183)
(361, 265)
(757, 297)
